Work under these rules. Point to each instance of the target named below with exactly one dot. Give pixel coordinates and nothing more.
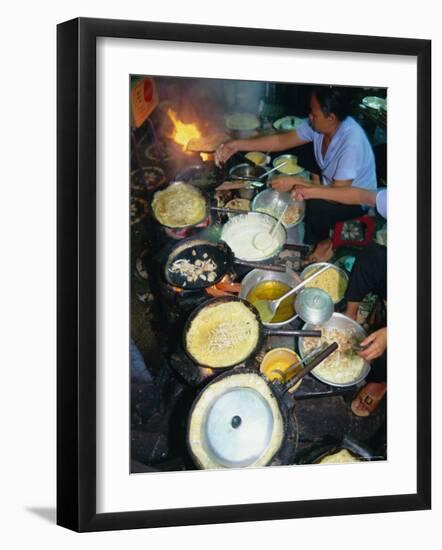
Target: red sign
(143, 100)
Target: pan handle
(229, 210)
(265, 267)
(314, 363)
(301, 333)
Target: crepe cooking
(223, 335)
(179, 205)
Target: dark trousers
(369, 274)
(321, 216)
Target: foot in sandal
(368, 398)
(323, 252)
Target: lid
(235, 423)
(238, 428)
(314, 305)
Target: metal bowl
(202, 176)
(306, 271)
(246, 172)
(294, 158)
(273, 202)
(239, 225)
(252, 279)
(338, 321)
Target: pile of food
(179, 205)
(222, 335)
(204, 269)
(238, 204)
(331, 281)
(340, 457)
(344, 365)
(257, 157)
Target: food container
(291, 168)
(239, 232)
(280, 359)
(238, 204)
(247, 172)
(340, 322)
(288, 123)
(273, 202)
(257, 276)
(316, 266)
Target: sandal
(366, 402)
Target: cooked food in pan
(179, 205)
(342, 366)
(222, 335)
(195, 269)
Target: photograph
(258, 273)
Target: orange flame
(204, 156)
(182, 133)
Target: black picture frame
(76, 273)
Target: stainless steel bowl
(307, 271)
(247, 172)
(257, 276)
(338, 321)
(273, 202)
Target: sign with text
(143, 100)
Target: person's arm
(341, 194)
(275, 142)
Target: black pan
(193, 249)
(263, 332)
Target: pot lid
(314, 305)
(235, 423)
(239, 427)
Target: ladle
(264, 239)
(267, 308)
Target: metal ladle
(267, 308)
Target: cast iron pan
(221, 254)
(262, 331)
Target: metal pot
(338, 321)
(247, 172)
(252, 279)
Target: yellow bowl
(280, 359)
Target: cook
(342, 152)
(369, 274)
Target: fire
(182, 133)
(204, 156)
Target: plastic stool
(367, 221)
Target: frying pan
(262, 331)
(193, 249)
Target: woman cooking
(342, 152)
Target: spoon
(267, 308)
(264, 240)
(273, 169)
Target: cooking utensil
(267, 308)
(321, 356)
(314, 305)
(285, 160)
(239, 420)
(340, 322)
(246, 171)
(240, 230)
(192, 249)
(273, 169)
(262, 332)
(264, 240)
(273, 202)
